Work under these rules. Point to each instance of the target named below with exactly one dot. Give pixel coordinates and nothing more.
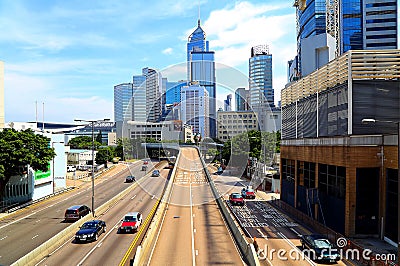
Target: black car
(76, 212)
(90, 231)
(320, 248)
(156, 173)
(129, 179)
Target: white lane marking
(262, 234)
(3, 238)
(297, 233)
(197, 252)
(296, 248)
(99, 244)
(35, 236)
(191, 224)
(153, 197)
(194, 231)
(37, 221)
(133, 197)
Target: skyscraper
(123, 110)
(194, 108)
(139, 98)
(228, 103)
(360, 25)
(260, 78)
(201, 69)
(153, 94)
(241, 97)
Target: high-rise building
(228, 103)
(357, 25)
(122, 102)
(153, 94)
(2, 95)
(173, 93)
(194, 108)
(241, 99)
(139, 98)
(201, 69)
(260, 78)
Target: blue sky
(70, 54)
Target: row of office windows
(331, 178)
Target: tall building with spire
(201, 70)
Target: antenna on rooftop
(199, 12)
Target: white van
(71, 168)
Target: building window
(332, 180)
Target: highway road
(28, 228)
(193, 231)
(112, 248)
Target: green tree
(18, 149)
(103, 155)
(83, 142)
(99, 138)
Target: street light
(92, 123)
(369, 121)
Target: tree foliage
(83, 142)
(18, 149)
(104, 155)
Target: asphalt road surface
(113, 248)
(26, 229)
(193, 231)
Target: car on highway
(248, 193)
(236, 199)
(76, 212)
(155, 173)
(320, 248)
(90, 231)
(144, 167)
(129, 179)
(131, 222)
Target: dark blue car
(90, 231)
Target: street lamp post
(92, 124)
(369, 121)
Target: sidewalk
(267, 195)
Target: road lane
(111, 247)
(193, 231)
(32, 226)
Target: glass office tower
(201, 70)
(260, 78)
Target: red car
(248, 193)
(130, 223)
(236, 199)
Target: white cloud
(167, 51)
(232, 32)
